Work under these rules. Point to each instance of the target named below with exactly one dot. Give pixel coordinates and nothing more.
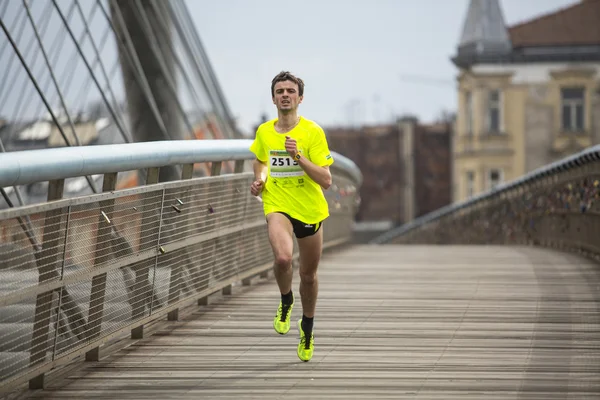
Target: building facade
(528, 94)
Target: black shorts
(302, 229)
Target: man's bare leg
(310, 255)
(282, 244)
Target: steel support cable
(5, 79)
(193, 64)
(61, 98)
(221, 109)
(215, 108)
(135, 64)
(126, 135)
(5, 44)
(72, 62)
(51, 72)
(186, 42)
(204, 56)
(201, 71)
(20, 104)
(204, 64)
(85, 91)
(166, 14)
(112, 113)
(85, 87)
(163, 24)
(35, 83)
(16, 22)
(152, 40)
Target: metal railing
(557, 206)
(78, 272)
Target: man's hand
(257, 187)
(291, 146)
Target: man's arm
(260, 175)
(260, 170)
(321, 175)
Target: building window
(470, 184)
(494, 111)
(495, 177)
(469, 113)
(573, 109)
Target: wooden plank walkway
(393, 322)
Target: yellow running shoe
(281, 323)
(305, 347)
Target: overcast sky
(361, 60)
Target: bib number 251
(283, 166)
(283, 162)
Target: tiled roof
(575, 25)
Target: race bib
(282, 165)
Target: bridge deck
(393, 322)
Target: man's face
(286, 96)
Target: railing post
(174, 290)
(215, 170)
(61, 293)
(102, 255)
(149, 224)
(46, 262)
(239, 167)
(264, 274)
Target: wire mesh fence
(108, 263)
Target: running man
(291, 170)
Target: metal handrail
(30, 166)
(586, 156)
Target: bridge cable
(200, 58)
(5, 79)
(135, 64)
(113, 115)
(20, 107)
(163, 25)
(126, 135)
(60, 96)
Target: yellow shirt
(288, 188)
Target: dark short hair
(287, 76)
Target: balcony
(491, 143)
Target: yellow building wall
(508, 150)
(484, 150)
